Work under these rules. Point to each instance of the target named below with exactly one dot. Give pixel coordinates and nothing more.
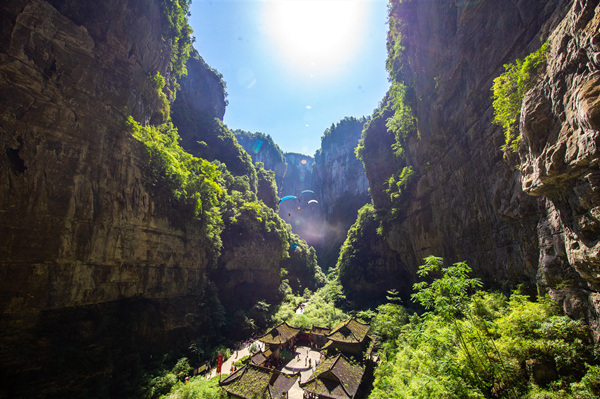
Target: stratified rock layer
(559, 155)
(465, 202)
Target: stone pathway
(300, 309)
(301, 364)
(235, 356)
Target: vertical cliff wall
(335, 175)
(342, 186)
(262, 148)
(100, 269)
(559, 156)
(85, 257)
(440, 182)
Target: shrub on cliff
(188, 185)
(267, 188)
(509, 89)
(178, 33)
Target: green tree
(448, 295)
(508, 92)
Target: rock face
(559, 156)
(465, 202)
(197, 113)
(341, 183)
(95, 276)
(83, 246)
(262, 148)
(298, 176)
(335, 175)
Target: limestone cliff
(342, 186)
(459, 198)
(100, 272)
(298, 176)
(198, 112)
(559, 156)
(335, 175)
(81, 236)
(262, 148)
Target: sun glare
(316, 37)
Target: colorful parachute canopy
(307, 191)
(313, 202)
(287, 198)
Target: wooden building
(349, 337)
(334, 378)
(280, 336)
(252, 381)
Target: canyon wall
(100, 272)
(335, 175)
(526, 218)
(341, 183)
(559, 157)
(83, 246)
(262, 148)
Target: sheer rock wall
(94, 277)
(468, 202)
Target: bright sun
(316, 36)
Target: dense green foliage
(197, 388)
(267, 188)
(356, 248)
(187, 185)
(209, 138)
(448, 294)
(322, 309)
(481, 345)
(301, 268)
(178, 33)
(155, 98)
(244, 215)
(362, 261)
(510, 88)
(169, 387)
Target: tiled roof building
(349, 337)
(280, 334)
(335, 378)
(251, 381)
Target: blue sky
(294, 67)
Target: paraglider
(288, 197)
(293, 197)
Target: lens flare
(317, 36)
